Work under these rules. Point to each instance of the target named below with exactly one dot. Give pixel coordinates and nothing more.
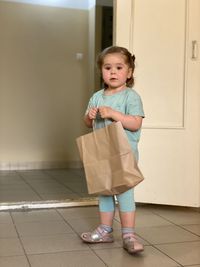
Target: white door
(164, 35)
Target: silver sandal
(99, 235)
(131, 244)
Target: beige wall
(43, 87)
(91, 48)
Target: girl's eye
(107, 68)
(119, 68)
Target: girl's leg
(127, 208)
(127, 217)
(106, 210)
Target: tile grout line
(32, 188)
(18, 236)
(68, 188)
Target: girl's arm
(130, 122)
(90, 116)
(88, 121)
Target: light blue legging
(125, 200)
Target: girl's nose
(112, 70)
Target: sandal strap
(98, 234)
(130, 236)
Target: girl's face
(115, 71)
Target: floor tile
(43, 228)
(166, 234)
(10, 247)
(37, 179)
(147, 220)
(194, 228)
(83, 224)
(151, 257)
(72, 181)
(14, 261)
(67, 259)
(14, 187)
(143, 209)
(14, 196)
(5, 217)
(50, 188)
(76, 213)
(37, 185)
(7, 230)
(53, 243)
(32, 173)
(187, 253)
(179, 215)
(8, 173)
(11, 180)
(64, 173)
(36, 216)
(84, 194)
(78, 189)
(59, 196)
(37, 182)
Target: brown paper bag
(108, 160)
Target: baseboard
(40, 165)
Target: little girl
(116, 102)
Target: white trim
(49, 204)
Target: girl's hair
(129, 60)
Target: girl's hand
(92, 113)
(106, 112)
(130, 122)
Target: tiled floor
(37, 185)
(50, 238)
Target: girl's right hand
(92, 113)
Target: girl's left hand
(106, 112)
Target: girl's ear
(130, 73)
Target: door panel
(159, 45)
(160, 34)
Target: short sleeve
(94, 100)
(135, 105)
(90, 104)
